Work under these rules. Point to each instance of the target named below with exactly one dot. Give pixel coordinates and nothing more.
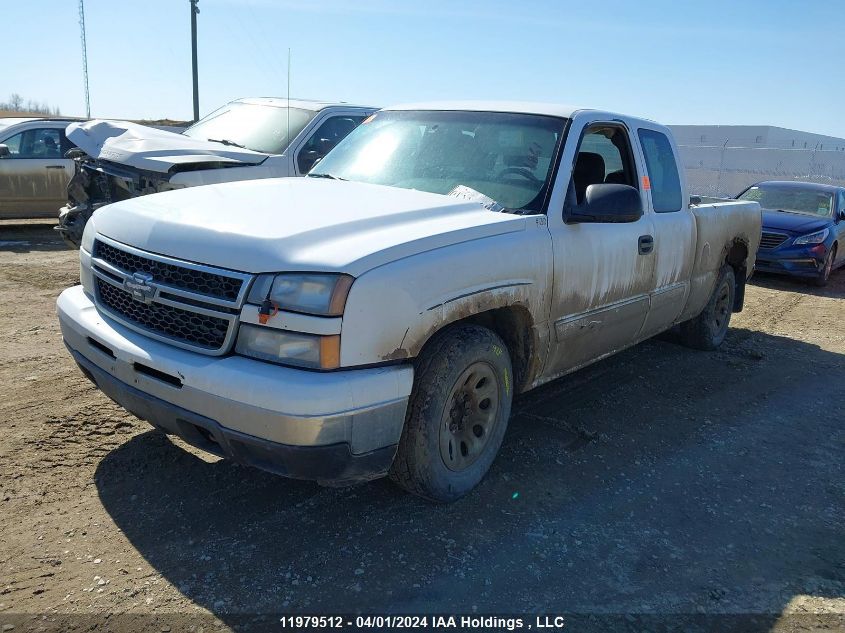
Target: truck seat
(617, 178)
(589, 170)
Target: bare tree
(16, 104)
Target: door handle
(646, 244)
(55, 167)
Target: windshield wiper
(329, 176)
(226, 141)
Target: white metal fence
(725, 171)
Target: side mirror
(608, 202)
(4, 151)
(841, 213)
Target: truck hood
(148, 148)
(793, 222)
(298, 224)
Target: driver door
(603, 272)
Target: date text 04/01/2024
(421, 622)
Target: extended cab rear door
(673, 224)
(603, 271)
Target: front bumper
(799, 261)
(329, 426)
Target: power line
(84, 58)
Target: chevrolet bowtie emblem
(140, 287)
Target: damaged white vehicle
(243, 140)
(379, 316)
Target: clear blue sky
(772, 62)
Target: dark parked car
(803, 228)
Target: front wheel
(708, 329)
(72, 222)
(457, 414)
(824, 275)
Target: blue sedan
(803, 228)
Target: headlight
(289, 348)
(813, 238)
(318, 294)
(88, 237)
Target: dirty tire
(824, 275)
(708, 329)
(459, 366)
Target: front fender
(393, 310)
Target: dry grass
(13, 114)
(170, 122)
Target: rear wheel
(824, 275)
(708, 329)
(457, 414)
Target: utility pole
(84, 58)
(194, 12)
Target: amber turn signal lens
(330, 351)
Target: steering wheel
(519, 171)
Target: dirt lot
(661, 481)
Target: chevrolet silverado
(379, 316)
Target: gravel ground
(662, 483)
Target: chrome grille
(772, 240)
(213, 285)
(198, 329)
(181, 303)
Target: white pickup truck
(379, 316)
(245, 139)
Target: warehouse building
(722, 160)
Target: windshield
(792, 199)
(263, 128)
(504, 156)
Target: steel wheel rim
(469, 417)
(828, 265)
(723, 309)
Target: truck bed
(720, 227)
